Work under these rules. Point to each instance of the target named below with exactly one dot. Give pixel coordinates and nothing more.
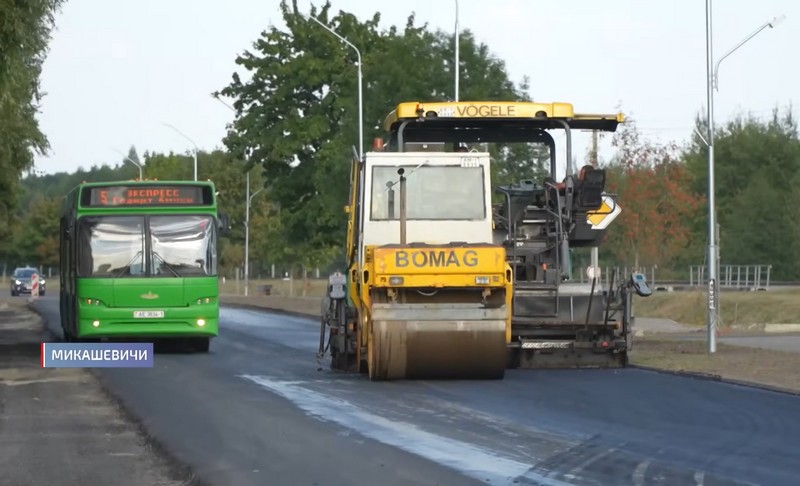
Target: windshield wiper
(391, 184)
(128, 265)
(171, 269)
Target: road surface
(259, 409)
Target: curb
(274, 310)
(718, 378)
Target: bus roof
(503, 110)
(143, 194)
(151, 182)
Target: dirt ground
(57, 425)
(666, 351)
(741, 363)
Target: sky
(118, 71)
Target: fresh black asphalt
(260, 409)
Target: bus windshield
(175, 245)
(183, 246)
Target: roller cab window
(437, 193)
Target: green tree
(24, 34)
(297, 113)
(37, 238)
(171, 166)
(133, 155)
(756, 165)
(59, 184)
(792, 238)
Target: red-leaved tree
(654, 191)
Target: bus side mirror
(224, 224)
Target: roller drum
(431, 341)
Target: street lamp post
(712, 247)
(457, 48)
(247, 236)
(712, 71)
(771, 24)
(193, 144)
(360, 105)
(248, 202)
(128, 159)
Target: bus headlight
(205, 300)
(201, 322)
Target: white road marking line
(573, 473)
(638, 473)
(464, 457)
(699, 477)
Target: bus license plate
(148, 314)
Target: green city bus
(139, 262)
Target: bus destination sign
(146, 196)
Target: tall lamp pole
(248, 202)
(193, 144)
(128, 159)
(712, 71)
(360, 97)
(247, 236)
(457, 63)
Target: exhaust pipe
(401, 171)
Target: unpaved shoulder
(58, 426)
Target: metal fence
(734, 277)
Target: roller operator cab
(428, 293)
(437, 263)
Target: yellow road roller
(427, 294)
